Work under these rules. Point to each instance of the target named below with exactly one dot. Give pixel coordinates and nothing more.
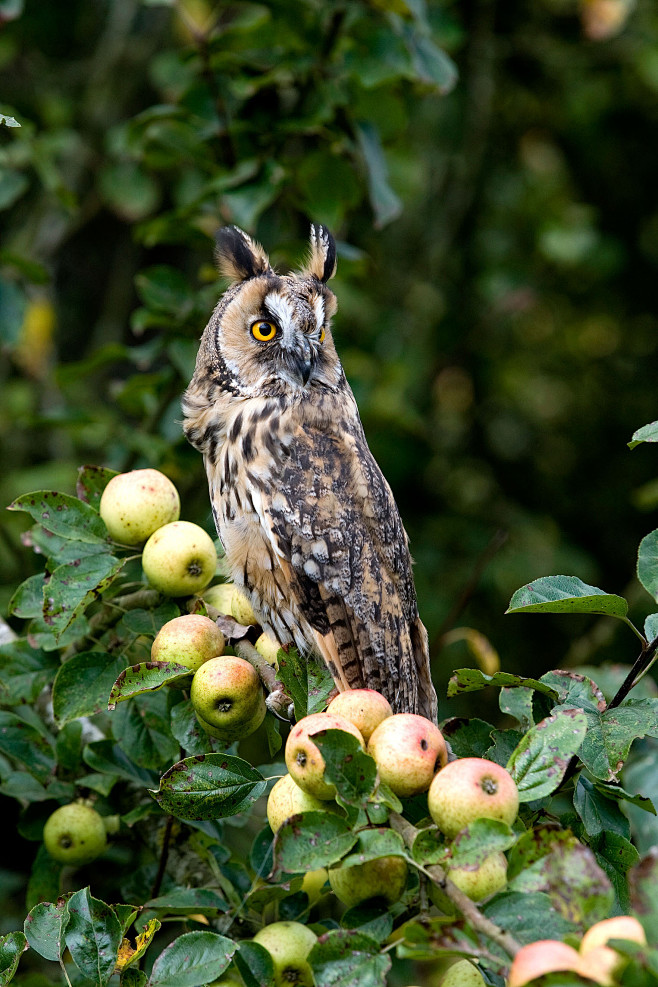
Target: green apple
(289, 943)
(75, 834)
(463, 973)
(483, 881)
(385, 877)
(286, 799)
(228, 699)
(241, 608)
(472, 788)
(268, 647)
(134, 505)
(220, 596)
(189, 640)
(303, 758)
(407, 749)
(365, 708)
(179, 559)
(541, 957)
(313, 883)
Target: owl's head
(270, 333)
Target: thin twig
(641, 666)
(164, 855)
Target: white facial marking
(318, 308)
(283, 311)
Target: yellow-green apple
(286, 799)
(482, 881)
(188, 640)
(303, 759)
(289, 943)
(75, 834)
(541, 957)
(179, 559)
(601, 962)
(472, 788)
(365, 708)
(407, 748)
(228, 699)
(241, 608)
(220, 596)
(384, 877)
(313, 883)
(462, 974)
(268, 647)
(135, 504)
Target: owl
(309, 525)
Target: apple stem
(462, 902)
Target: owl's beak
(300, 362)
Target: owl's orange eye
(263, 331)
(322, 335)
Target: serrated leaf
(347, 766)
(541, 920)
(565, 594)
(12, 946)
(254, 964)
(209, 786)
(24, 742)
(309, 840)
(648, 433)
(371, 919)
(149, 622)
(106, 757)
(27, 600)
(598, 813)
(91, 483)
(306, 680)
(63, 515)
(373, 844)
(192, 959)
(141, 728)
(344, 958)
(82, 685)
(540, 761)
(148, 676)
(611, 732)
(479, 840)
(517, 703)
(616, 855)
(185, 728)
(472, 679)
(93, 936)
(184, 901)
(24, 671)
(647, 563)
(468, 738)
(74, 585)
(44, 928)
(129, 954)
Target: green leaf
(24, 742)
(575, 689)
(44, 928)
(598, 813)
(27, 601)
(369, 918)
(611, 732)
(431, 65)
(472, 679)
(192, 959)
(648, 433)
(517, 703)
(74, 585)
(479, 840)
(91, 483)
(309, 840)
(565, 594)
(347, 766)
(8, 121)
(63, 515)
(107, 757)
(149, 622)
(93, 936)
(165, 289)
(541, 920)
(373, 844)
(131, 977)
(141, 729)
(344, 958)
(185, 901)
(44, 880)
(185, 728)
(82, 685)
(643, 882)
(128, 954)
(468, 738)
(12, 946)
(209, 786)
(540, 761)
(254, 964)
(145, 677)
(647, 563)
(385, 203)
(24, 671)
(616, 855)
(306, 680)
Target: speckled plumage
(308, 522)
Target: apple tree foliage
(193, 870)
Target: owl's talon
(278, 703)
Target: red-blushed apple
(384, 877)
(303, 759)
(241, 608)
(189, 640)
(286, 799)
(289, 943)
(482, 881)
(75, 834)
(228, 699)
(179, 559)
(407, 748)
(135, 504)
(463, 973)
(220, 596)
(472, 788)
(544, 956)
(365, 708)
(268, 647)
(601, 962)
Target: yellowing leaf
(128, 953)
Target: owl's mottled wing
(335, 523)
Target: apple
(544, 956)
(289, 943)
(228, 699)
(268, 647)
(407, 748)
(463, 973)
(286, 799)
(135, 504)
(365, 708)
(179, 559)
(313, 883)
(472, 788)
(601, 962)
(483, 881)
(75, 834)
(219, 596)
(188, 640)
(241, 608)
(384, 877)
(303, 759)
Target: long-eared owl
(308, 522)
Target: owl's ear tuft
(321, 262)
(238, 256)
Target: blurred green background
(489, 171)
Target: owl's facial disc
(296, 349)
